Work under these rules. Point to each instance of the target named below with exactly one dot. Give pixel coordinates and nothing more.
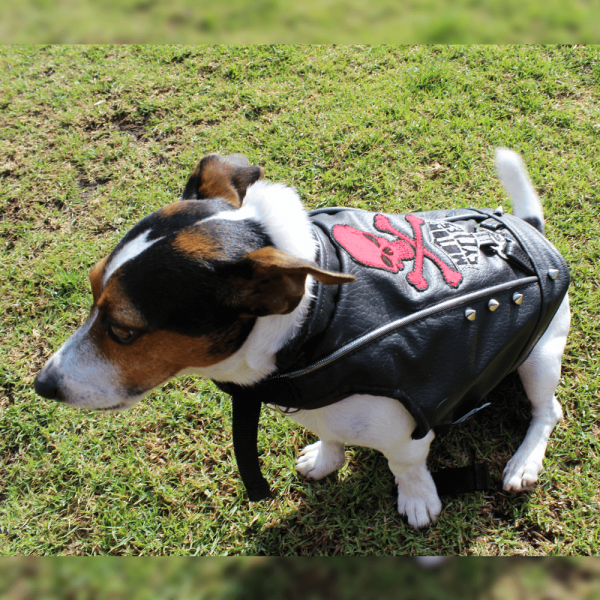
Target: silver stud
(451, 213)
(517, 298)
(499, 211)
(553, 273)
(493, 304)
(470, 314)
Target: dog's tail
(513, 175)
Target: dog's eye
(123, 335)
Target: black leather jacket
(402, 329)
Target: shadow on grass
(331, 519)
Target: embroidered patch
(379, 252)
(460, 245)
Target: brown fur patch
(95, 275)
(215, 182)
(115, 304)
(217, 177)
(156, 356)
(277, 282)
(196, 242)
(174, 208)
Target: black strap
(462, 480)
(246, 415)
(537, 257)
(245, 436)
(517, 256)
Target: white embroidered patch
(129, 251)
(460, 245)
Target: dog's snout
(47, 385)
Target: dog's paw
(419, 502)
(521, 473)
(319, 459)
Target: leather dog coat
(405, 328)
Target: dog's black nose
(46, 385)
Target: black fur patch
(181, 292)
(162, 223)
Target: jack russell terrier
(366, 328)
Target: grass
(305, 21)
(93, 138)
(296, 579)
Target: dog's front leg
(418, 499)
(318, 460)
(383, 424)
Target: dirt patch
(89, 186)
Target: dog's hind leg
(540, 374)
(383, 424)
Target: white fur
(278, 208)
(87, 379)
(516, 182)
(129, 251)
(540, 374)
(280, 211)
(380, 423)
(384, 423)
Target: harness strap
(278, 389)
(246, 415)
(462, 480)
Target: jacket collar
(298, 352)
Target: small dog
(222, 283)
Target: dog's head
(182, 290)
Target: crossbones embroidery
(381, 253)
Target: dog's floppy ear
(225, 177)
(271, 282)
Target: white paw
(521, 473)
(319, 459)
(418, 502)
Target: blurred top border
(305, 21)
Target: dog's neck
(280, 212)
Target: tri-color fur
(217, 283)
(183, 291)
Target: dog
(218, 283)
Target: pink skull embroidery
(380, 253)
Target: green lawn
(93, 138)
(379, 578)
(302, 21)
